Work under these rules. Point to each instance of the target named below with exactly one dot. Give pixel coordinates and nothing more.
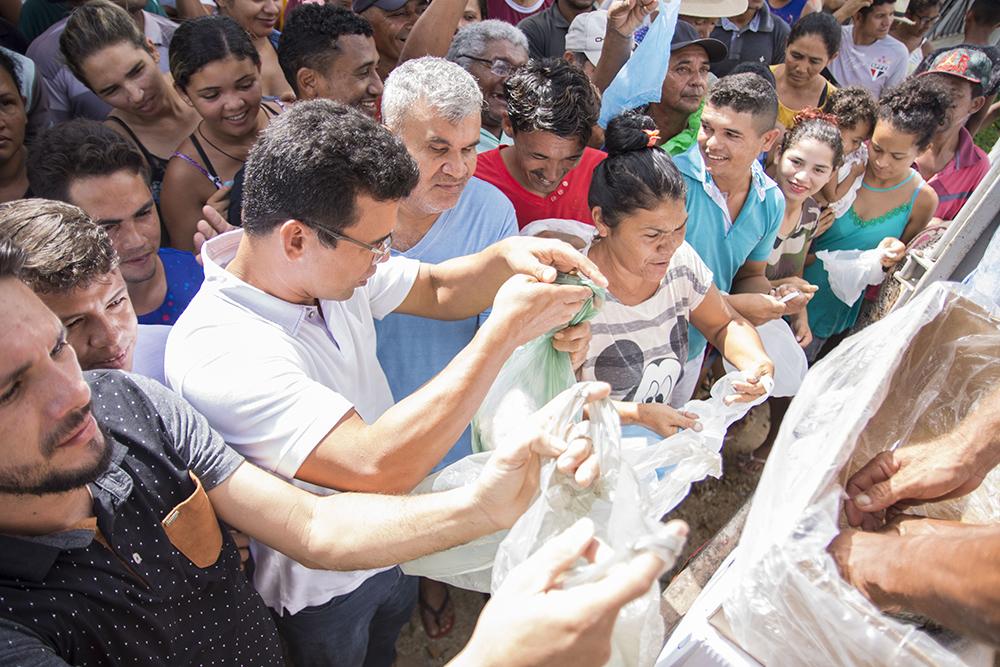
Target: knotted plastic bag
(850, 271)
(533, 375)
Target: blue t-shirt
(411, 349)
(726, 246)
(184, 278)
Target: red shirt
(956, 182)
(567, 202)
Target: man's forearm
(353, 531)
(399, 449)
(952, 578)
(464, 286)
(614, 54)
(755, 284)
(432, 33)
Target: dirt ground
(711, 503)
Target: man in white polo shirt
(278, 350)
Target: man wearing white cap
(585, 39)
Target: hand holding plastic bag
(850, 271)
(640, 81)
(533, 375)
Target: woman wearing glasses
(490, 51)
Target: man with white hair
(434, 106)
(490, 51)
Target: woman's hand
(793, 285)
(800, 327)
(754, 386)
(663, 419)
(893, 251)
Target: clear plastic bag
(533, 375)
(904, 378)
(663, 473)
(850, 271)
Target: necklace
(891, 187)
(210, 143)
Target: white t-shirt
(875, 67)
(273, 378)
(640, 350)
(147, 359)
(854, 157)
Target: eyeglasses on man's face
(380, 251)
(498, 66)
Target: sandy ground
(707, 509)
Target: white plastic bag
(914, 373)
(850, 271)
(790, 364)
(663, 471)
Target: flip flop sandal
(437, 614)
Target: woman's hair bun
(631, 131)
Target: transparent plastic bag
(913, 374)
(533, 375)
(850, 271)
(663, 471)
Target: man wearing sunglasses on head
(278, 350)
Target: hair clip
(654, 138)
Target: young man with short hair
(391, 21)
(278, 349)
(73, 268)
(869, 56)
(734, 209)
(91, 166)
(953, 165)
(329, 52)
(551, 111)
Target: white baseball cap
(586, 34)
(713, 8)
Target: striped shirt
(956, 182)
(640, 350)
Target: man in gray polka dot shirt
(111, 552)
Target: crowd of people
(262, 261)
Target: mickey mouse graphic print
(640, 350)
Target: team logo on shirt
(878, 67)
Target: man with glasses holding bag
(278, 351)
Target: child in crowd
(855, 111)
(892, 205)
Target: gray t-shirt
(875, 67)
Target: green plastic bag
(535, 374)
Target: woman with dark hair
(893, 204)
(812, 44)
(216, 70)
(259, 18)
(106, 50)
(657, 283)
(13, 121)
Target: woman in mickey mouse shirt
(658, 284)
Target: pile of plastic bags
(906, 378)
